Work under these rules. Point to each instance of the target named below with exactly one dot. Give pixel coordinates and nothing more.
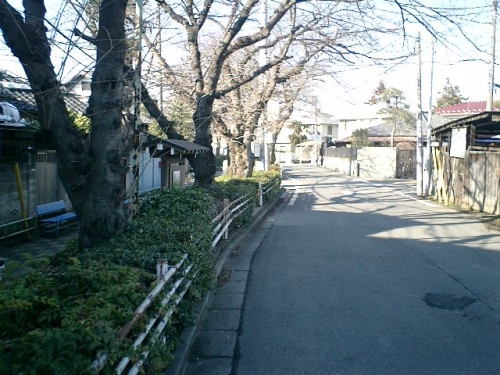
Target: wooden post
(472, 137)
(261, 193)
(21, 198)
(161, 268)
(226, 218)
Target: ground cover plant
(64, 310)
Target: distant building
(457, 111)
(80, 84)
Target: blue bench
(53, 216)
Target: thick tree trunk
(204, 163)
(238, 157)
(272, 151)
(241, 156)
(91, 170)
(100, 202)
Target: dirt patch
(224, 276)
(236, 251)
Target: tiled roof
(385, 129)
(466, 108)
(384, 138)
(16, 91)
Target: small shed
(480, 132)
(171, 157)
(467, 161)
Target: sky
(464, 63)
(456, 60)
(470, 77)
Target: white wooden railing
(228, 214)
(184, 273)
(156, 325)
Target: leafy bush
(269, 179)
(232, 189)
(64, 311)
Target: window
(85, 85)
(329, 130)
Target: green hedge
(232, 188)
(57, 317)
(64, 310)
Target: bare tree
(287, 97)
(91, 169)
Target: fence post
(261, 193)
(2, 266)
(161, 268)
(226, 218)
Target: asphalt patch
(448, 301)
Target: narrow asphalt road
(358, 277)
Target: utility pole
(419, 121)
(159, 41)
(316, 153)
(428, 151)
(134, 196)
(491, 74)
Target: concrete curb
(188, 336)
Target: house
(28, 171)
(380, 135)
(358, 117)
(466, 154)
(80, 84)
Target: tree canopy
(188, 45)
(449, 95)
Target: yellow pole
(24, 215)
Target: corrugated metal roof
(185, 146)
(180, 146)
(466, 107)
(485, 123)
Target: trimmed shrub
(62, 312)
(57, 317)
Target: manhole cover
(448, 301)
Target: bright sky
(458, 61)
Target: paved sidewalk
(38, 246)
(216, 343)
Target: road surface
(357, 277)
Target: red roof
(467, 107)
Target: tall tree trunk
(272, 156)
(101, 200)
(91, 170)
(238, 157)
(204, 163)
(250, 157)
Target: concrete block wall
(10, 202)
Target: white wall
(371, 162)
(377, 162)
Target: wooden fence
(472, 182)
